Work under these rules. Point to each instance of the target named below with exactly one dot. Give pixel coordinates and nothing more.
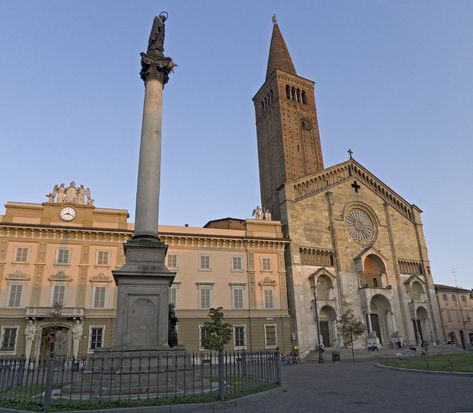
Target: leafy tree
(215, 332)
(350, 328)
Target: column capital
(156, 67)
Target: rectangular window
(202, 334)
(237, 264)
(237, 297)
(173, 296)
(59, 292)
(205, 297)
(270, 336)
(96, 337)
(204, 263)
(14, 300)
(454, 297)
(99, 296)
(63, 256)
(21, 255)
(449, 316)
(102, 257)
(266, 264)
(445, 297)
(463, 298)
(9, 338)
(239, 337)
(268, 299)
(172, 261)
(458, 316)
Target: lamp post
(313, 284)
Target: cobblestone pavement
(363, 387)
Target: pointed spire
(279, 56)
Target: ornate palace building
(456, 309)
(354, 242)
(56, 260)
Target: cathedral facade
(354, 242)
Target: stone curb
(229, 406)
(436, 372)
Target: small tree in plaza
(216, 333)
(350, 328)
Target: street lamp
(313, 285)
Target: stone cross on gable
(350, 152)
(356, 186)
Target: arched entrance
(422, 325)
(328, 329)
(55, 337)
(380, 314)
(374, 272)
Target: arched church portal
(374, 272)
(328, 328)
(422, 326)
(381, 318)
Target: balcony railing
(43, 312)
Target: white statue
(267, 214)
(71, 192)
(90, 201)
(52, 195)
(257, 212)
(81, 196)
(30, 337)
(61, 193)
(77, 332)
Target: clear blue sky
(394, 83)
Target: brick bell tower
(286, 125)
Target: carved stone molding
(267, 282)
(60, 276)
(102, 278)
(18, 276)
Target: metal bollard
(49, 382)
(221, 376)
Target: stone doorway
(56, 339)
(325, 333)
(380, 312)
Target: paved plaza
(363, 387)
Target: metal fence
(149, 376)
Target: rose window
(360, 226)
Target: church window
(375, 282)
(288, 91)
(293, 93)
(304, 97)
(21, 254)
(306, 124)
(360, 226)
(298, 95)
(14, 300)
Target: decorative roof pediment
(60, 276)
(413, 278)
(101, 278)
(322, 271)
(18, 275)
(351, 170)
(268, 281)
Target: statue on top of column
(154, 65)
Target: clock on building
(67, 213)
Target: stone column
(147, 194)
